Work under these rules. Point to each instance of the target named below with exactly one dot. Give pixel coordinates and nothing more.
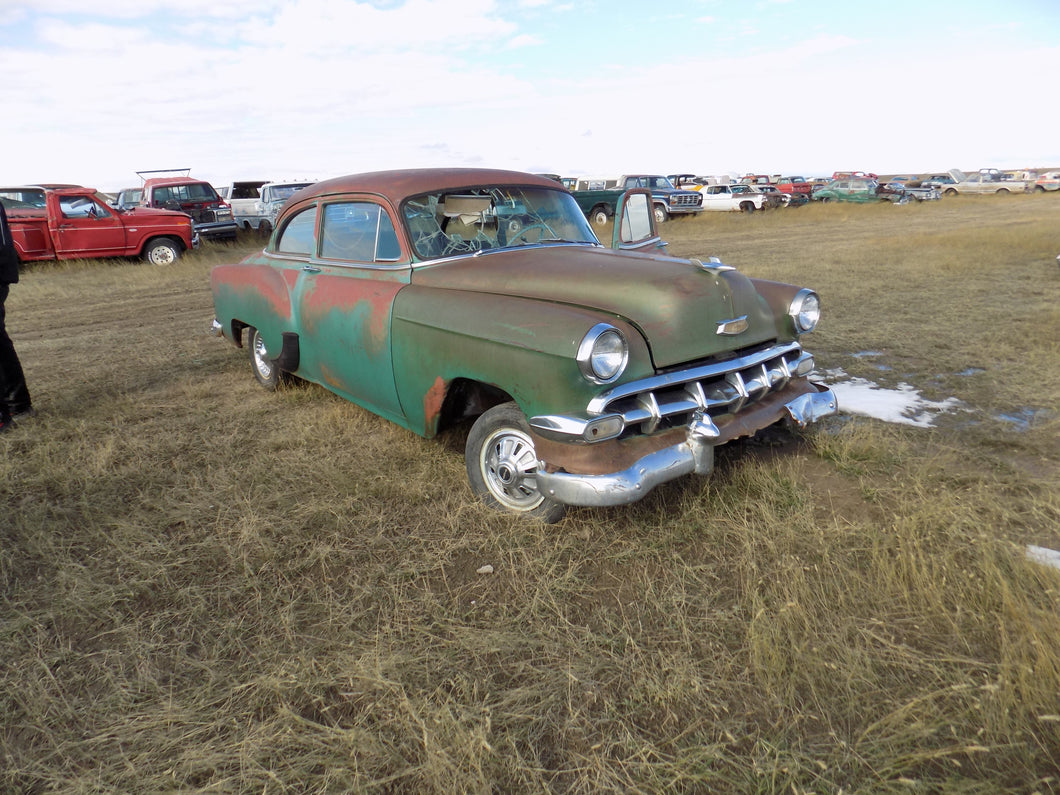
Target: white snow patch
(904, 404)
(1047, 557)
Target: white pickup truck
(256, 203)
(731, 198)
(243, 195)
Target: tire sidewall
(504, 417)
(265, 370)
(163, 243)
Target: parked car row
(862, 186)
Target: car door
(86, 227)
(343, 302)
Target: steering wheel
(523, 233)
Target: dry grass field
(205, 587)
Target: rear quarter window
(299, 234)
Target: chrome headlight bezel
(805, 311)
(603, 354)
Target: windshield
(488, 218)
(284, 192)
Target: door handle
(310, 269)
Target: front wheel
(162, 251)
(747, 207)
(502, 463)
(599, 216)
(661, 214)
(265, 370)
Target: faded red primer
(366, 299)
(258, 280)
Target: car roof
(399, 184)
(157, 181)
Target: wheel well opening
(466, 399)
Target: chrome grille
(717, 388)
(685, 200)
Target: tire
(501, 463)
(599, 216)
(1001, 191)
(661, 214)
(265, 370)
(747, 207)
(264, 229)
(162, 251)
(949, 192)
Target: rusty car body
(592, 373)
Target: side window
(358, 232)
(77, 207)
(299, 234)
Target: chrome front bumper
(694, 455)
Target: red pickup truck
(794, 185)
(75, 223)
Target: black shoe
(6, 425)
(24, 414)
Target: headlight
(603, 354)
(805, 311)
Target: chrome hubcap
(509, 464)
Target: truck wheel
(264, 229)
(162, 251)
(265, 370)
(599, 216)
(747, 207)
(501, 464)
(661, 215)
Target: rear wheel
(502, 464)
(162, 251)
(265, 370)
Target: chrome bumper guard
(694, 455)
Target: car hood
(676, 304)
(148, 213)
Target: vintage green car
(592, 373)
(857, 189)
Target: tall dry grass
(210, 588)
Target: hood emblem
(730, 328)
(712, 265)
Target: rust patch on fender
(432, 403)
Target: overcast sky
(92, 92)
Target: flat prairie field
(206, 587)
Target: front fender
(525, 348)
